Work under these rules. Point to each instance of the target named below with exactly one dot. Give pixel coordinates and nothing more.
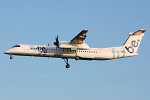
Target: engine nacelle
(67, 45)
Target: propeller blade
(57, 42)
(57, 39)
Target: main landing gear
(66, 61)
(77, 58)
(11, 57)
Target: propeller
(57, 42)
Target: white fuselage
(53, 51)
(77, 49)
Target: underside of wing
(79, 39)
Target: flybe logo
(134, 44)
(41, 49)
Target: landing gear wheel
(77, 58)
(66, 61)
(11, 57)
(67, 66)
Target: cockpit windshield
(16, 46)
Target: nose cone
(8, 52)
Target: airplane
(77, 49)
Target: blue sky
(40, 21)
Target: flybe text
(38, 48)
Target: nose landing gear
(11, 57)
(67, 66)
(66, 61)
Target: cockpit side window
(16, 46)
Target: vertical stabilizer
(132, 43)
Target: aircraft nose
(7, 51)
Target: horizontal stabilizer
(139, 32)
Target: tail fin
(132, 43)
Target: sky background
(108, 22)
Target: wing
(79, 39)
